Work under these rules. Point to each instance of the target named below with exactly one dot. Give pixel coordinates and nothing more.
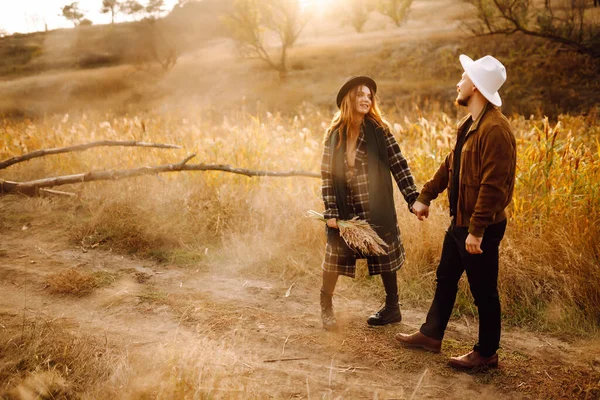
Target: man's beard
(462, 101)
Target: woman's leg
(329, 282)
(390, 313)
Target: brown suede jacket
(487, 172)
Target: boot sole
(382, 324)
(482, 367)
(418, 346)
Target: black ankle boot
(389, 314)
(329, 322)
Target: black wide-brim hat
(355, 81)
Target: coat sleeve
(437, 184)
(498, 160)
(401, 171)
(331, 210)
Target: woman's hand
(332, 223)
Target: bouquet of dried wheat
(358, 235)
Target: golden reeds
(552, 238)
(358, 235)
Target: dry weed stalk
(358, 235)
(47, 360)
(71, 281)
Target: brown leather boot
(474, 360)
(419, 340)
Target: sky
(26, 16)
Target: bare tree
(357, 14)
(112, 7)
(155, 7)
(566, 23)
(397, 10)
(155, 46)
(252, 19)
(131, 7)
(72, 12)
(285, 18)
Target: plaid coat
(338, 256)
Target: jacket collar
(476, 122)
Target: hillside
(111, 67)
(88, 47)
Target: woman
(360, 152)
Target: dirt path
(265, 336)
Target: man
(479, 175)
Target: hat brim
(352, 82)
(469, 66)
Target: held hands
(332, 223)
(420, 210)
(473, 244)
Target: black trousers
(482, 273)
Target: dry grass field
(205, 284)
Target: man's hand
(420, 210)
(332, 223)
(473, 244)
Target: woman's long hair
(346, 117)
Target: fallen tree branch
(82, 147)
(31, 188)
(57, 193)
(247, 172)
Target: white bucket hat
(487, 74)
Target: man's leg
(448, 274)
(482, 273)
